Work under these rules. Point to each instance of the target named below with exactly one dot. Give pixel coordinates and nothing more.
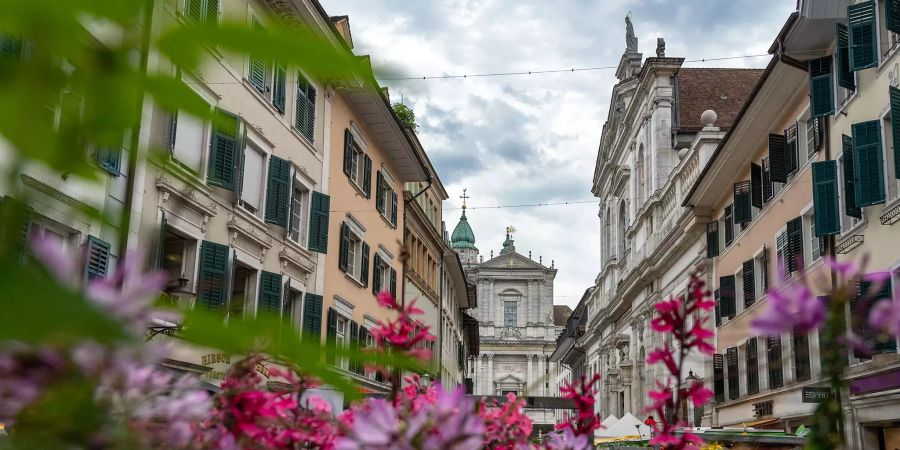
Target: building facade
(652, 147)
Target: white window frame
(810, 241)
(885, 52)
(354, 256)
(809, 138)
(341, 337)
(253, 145)
(302, 238)
(847, 223)
(388, 185)
(758, 272)
(891, 184)
(780, 263)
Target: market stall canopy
(609, 421)
(627, 426)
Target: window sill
(243, 213)
(387, 220)
(354, 280)
(838, 113)
(855, 229)
(886, 59)
(358, 188)
(260, 97)
(888, 216)
(179, 171)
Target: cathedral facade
(518, 323)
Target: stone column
(472, 360)
(542, 374)
(530, 377)
(490, 375)
(628, 406)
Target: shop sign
(763, 409)
(816, 394)
(219, 363)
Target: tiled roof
(721, 90)
(561, 313)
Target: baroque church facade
(518, 323)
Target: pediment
(509, 379)
(513, 260)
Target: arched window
(622, 221)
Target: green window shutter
(825, 198)
(278, 191)
(367, 177)
(161, 241)
(223, 151)
(842, 58)
(719, 377)
(861, 27)
(331, 337)
(258, 68)
(791, 154)
(802, 370)
(110, 159)
(731, 359)
(312, 315)
(394, 206)
(718, 308)
(279, 88)
(728, 220)
(212, 12)
(752, 366)
(778, 158)
(364, 266)
(776, 374)
(850, 206)
(97, 263)
(393, 288)
(379, 192)
(794, 249)
(895, 127)
(377, 268)
(354, 366)
(712, 239)
(194, 10)
(318, 222)
(749, 283)
(305, 120)
(892, 15)
(743, 211)
(211, 282)
(287, 303)
(821, 91)
(767, 188)
(726, 296)
(868, 167)
(348, 152)
(765, 270)
(756, 185)
(343, 253)
(269, 294)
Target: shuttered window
(791, 149)
(110, 159)
(269, 294)
(821, 91)
(752, 367)
(364, 265)
(97, 263)
(781, 253)
(223, 151)
(895, 128)
(743, 207)
(380, 193)
(393, 287)
(202, 11)
(212, 280)
(258, 71)
(802, 369)
(278, 191)
(318, 222)
(287, 303)
(825, 198)
(845, 77)
(719, 377)
(728, 223)
(778, 158)
(749, 283)
(767, 188)
(394, 206)
(892, 15)
(861, 305)
(279, 88)
(354, 366)
(344, 248)
(712, 239)
(731, 359)
(794, 261)
(850, 206)
(861, 28)
(718, 309)
(312, 315)
(727, 307)
(756, 185)
(377, 276)
(367, 176)
(305, 113)
(773, 360)
(868, 167)
(331, 337)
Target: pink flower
(790, 308)
(698, 394)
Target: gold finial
(510, 230)
(464, 197)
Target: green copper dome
(462, 236)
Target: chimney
(342, 24)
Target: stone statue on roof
(631, 41)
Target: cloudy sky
(533, 139)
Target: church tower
(463, 238)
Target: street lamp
(179, 289)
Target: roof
(463, 236)
(719, 89)
(561, 314)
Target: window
(299, 214)
(888, 39)
(801, 356)
(357, 165)
(201, 11)
(242, 292)
(305, 111)
(510, 310)
(846, 79)
(761, 272)
(177, 256)
(791, 154)
(773, 360)
(816, 243)
(752, 367)
(354, 253)
(623, 240)
(385, 197)
(851, 214)
(110, 159)
(341, 337)
(187, 140)
(812, 140)
(728, 225)
(252, 180)
(269, 78)
(892, 182)
(789, 247)
(731, 360)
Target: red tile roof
(721, 90)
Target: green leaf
(174, 95)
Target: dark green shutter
(728, 223)
(269, 293)
(97, 263)
(257, 70)
(367, 176)
(726, 296)
(794, 248)
(278, 191)
(756, 185)
(842, 58)
(868, 167)
(223, 151)
(895, 128)
(379, 192)
(764, 263)
(825, 198)
(749, 281)
(719, 377)
(194, 10)
(802, 370)
(309, 127)
(892, 15)
(287, 303)
(776, 374)
(161, 242)
(312, 315)
(718, 308)
(305, 120)
(279, 88)
(850, 206)
(791, 153)
(394, 208)
(344, 250)
(743, 211)
(354, 366)
(318, 222)
(861, 27)
(778, 158)
(212, 12)
(331, 337)
(393, 282)
(752, 366)
(110, 159)
(712, 239)
(211, 282)
(348, 152)
(731, 359)
(364, 265)
(768, 189)
(377, 268)
(821, 91)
